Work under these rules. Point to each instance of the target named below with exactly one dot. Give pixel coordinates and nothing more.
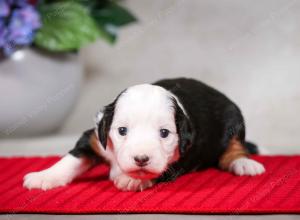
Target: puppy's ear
(184, 128)
(103, 125)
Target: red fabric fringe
(209, 191)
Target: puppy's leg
(235, 159)
(60, 174)
(79, 160)
(126, 183)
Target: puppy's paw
(44, 180)
(127, 183)
(246, 166)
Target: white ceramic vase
(38, 90)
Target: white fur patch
(246, 166)
(98, 118)
(60, 174)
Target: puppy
(156, 132)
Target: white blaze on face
(144, 110)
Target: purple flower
(18, 3)
(4, 8)
(18, 23)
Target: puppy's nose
(141, 160)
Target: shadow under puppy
(156, 132)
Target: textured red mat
(210, 191)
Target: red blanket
(209, 191)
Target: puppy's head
(146, 129)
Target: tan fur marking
(234, 151)
(95, 144)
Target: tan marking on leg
(94, 142)
(234, 151)
(95, 145)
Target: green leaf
(112, 14)
(67, 26)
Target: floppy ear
(105, 123)
(103, 126)
(184, 128)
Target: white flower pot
(37, 91)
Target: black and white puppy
(156, 132)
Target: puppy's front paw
(43, 180)
(246, 166)
(127, 183)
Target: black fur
(83, 148)
(184, 128)
(105, 123)
(214, 121)
(252, 148)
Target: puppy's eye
(122, 131)
(164, 133)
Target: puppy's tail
(252, 148)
